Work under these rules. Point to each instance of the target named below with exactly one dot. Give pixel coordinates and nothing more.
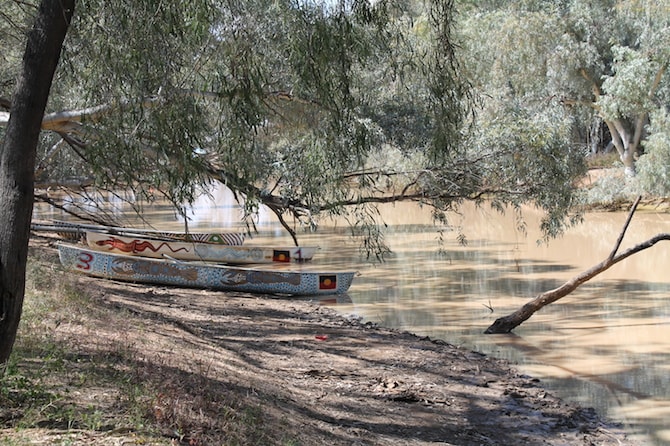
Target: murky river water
(606, 345)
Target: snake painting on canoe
(135, 246)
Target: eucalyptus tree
(17, 158)
(602, 61)
(523, 135)
(571, 67)
(305, 107)
(290, 104)
(282, 101)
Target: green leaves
(629, 90)
(603, 62)
(654, 165)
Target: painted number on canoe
(84, 261)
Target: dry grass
(78, 376)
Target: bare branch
(625, 228)
(507, 323)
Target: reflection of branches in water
(92, 206)
(532, 351)
(74, 209)
(609, 326)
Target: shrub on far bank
(612, 188)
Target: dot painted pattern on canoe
(155, 271)
(134, 268)
(233, 254)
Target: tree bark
(17, 159)
(508, 323)
(626, 146)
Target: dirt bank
(219, 368)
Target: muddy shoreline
(308, 375)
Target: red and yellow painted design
(135, 246)
(328, 282)
(281, 256)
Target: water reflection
(606, 345)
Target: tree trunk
(626, 148)
(17, 159)
(628, 160)
(508, 323)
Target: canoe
(77, 230)
(202, 275)
(160, 249)
(216, 238)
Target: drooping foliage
(524, 139)
(654, 166)
(313, 107)
(224, 79)
(291, 104)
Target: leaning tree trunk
(508, 323)
(17, 159)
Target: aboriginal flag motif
(327, 282)
(281, 256)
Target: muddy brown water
(606, 345)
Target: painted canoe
(216, 238)
(77, 230)
(202, 275)
(160, 249)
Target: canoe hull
(192, 275)
(76, 231)
(196, 251)
(230, 239)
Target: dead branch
(507, 323)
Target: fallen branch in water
(508, 323)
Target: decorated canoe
(202, 275)
(76, 231)
(216, 238)
(161, 249)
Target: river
(606, 345)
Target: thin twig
(623, 231)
